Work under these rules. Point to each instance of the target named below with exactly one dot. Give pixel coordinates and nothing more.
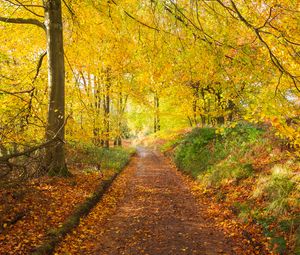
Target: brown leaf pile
(245, 233)
(30, 210)
(82, 239)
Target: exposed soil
(157, 214)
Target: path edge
(56, 235)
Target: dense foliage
(133, 68)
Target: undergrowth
(246, 160)
(98, 158)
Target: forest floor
(153, 209)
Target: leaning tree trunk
(55, 154)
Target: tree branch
(23, 21)
(5, 159)
(39, 65)
(16, 92)
(26, 7)
(142, 23)
(273, 57)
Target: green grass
(225, 171)
(278, 190)
(99, 158)
(210, 155)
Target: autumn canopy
(76, 74)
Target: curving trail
(157, 215)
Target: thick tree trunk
(55, 154)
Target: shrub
(193, 154)
(205, 154)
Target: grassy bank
(251, 172)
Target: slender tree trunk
(190, 121)
(156, 113)
(55, 154)
(203, 118)
(231, 107)
(195, 86)
(97, 106)
(219, 106)
(194, 106)
(118, 138)
(107, 124)
(107, 109)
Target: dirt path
(157, 215)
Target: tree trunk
(107, 110)
(118, 138)
(220, 119)
(55, 155)
(97, 106)
(156, 113)
(230, 108)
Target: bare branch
(5, 159)
(69, 8)
(26, 7)
(142, 23)
(23, 21)
(16, 92)
(135, 19)
(40, 62)
(273, 57)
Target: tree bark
(118, 138)
(97, 106)
(55, 155)
(156, 114)
(106, 107)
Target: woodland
(213, 85)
